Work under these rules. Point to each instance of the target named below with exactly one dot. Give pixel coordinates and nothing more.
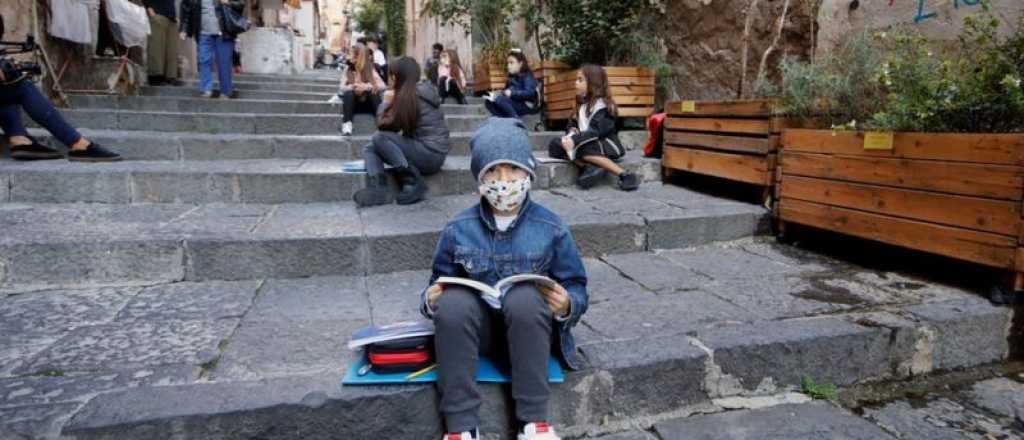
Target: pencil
(421, 372)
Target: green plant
(368, 17)
(820, 391)
(840, 87)
(976, 87)
(394, 22)
(900, 81)
(597, 31)
(489, 19)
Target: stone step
(242, 181)
(319, 78)
(200, 105)
(152, 145)
(258, 94)
(667, 332)
(52, 245)
(272, 86)
(238, 123)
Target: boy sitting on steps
(505, 234)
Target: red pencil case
(402, 355)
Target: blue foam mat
(487, 372)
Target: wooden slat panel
(628, 71)
(635, 112)
(1020, 260)
(753, 145)
(979, 247)
(1007, 149)
(739, 167)
(992, 181)
(560, 87)
(561, 96)
(561, 105)
(996, 216)
(633, 100)
(559, 115)
(739, 126)
(630, 81)
(754, 108)
(632, 90)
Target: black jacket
(162, 7)
(602, 130)
(431, 128)
(191, 16)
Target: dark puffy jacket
(191, 17)
(524, 88)
(431, 128)
(602, 130)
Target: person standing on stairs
(413, 139)
(360, 87)
(521, 95)
(592, 141)
(451, 79)
(504, 234)
(17, 94)
(203, 20)
(162, 53)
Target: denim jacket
(471, 246)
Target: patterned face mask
(505, 195)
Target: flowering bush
(899, 81)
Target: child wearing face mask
(505, 234)
(520, 96)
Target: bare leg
(605, 164)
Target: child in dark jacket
(592, 141)
(520, 96)
(505, 234)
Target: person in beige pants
(163, 43)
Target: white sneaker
(462, 436)
(334, 100)
(346, 128)
(538, 431)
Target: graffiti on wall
(925, 13)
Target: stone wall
(703, 41)
(270, 50)
(938, 19)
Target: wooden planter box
(735, 140)
(958, 195)
(494, 76)
(489, 76)
(631, 87)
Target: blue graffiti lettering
(921, 15)
(956, 3)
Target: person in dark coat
(413, 138)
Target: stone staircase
(205, 287)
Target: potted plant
(924, 149)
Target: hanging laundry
(69, 20)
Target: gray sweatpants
(519, 334)
(388, 147)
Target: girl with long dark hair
(451, 78)
(413, 138)
(360, 87)
(521, 94)
(592, 140)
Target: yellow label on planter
(689, 107)
(877, 141)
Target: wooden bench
(632, 88)
(496, 74)
(734, 140)
(957, 195)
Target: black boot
(375, 193)
(412, 187)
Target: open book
(391, 332)
(492, 95)
(492, 295)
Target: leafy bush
(367, 19)
(898, 81)
(490, 19)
